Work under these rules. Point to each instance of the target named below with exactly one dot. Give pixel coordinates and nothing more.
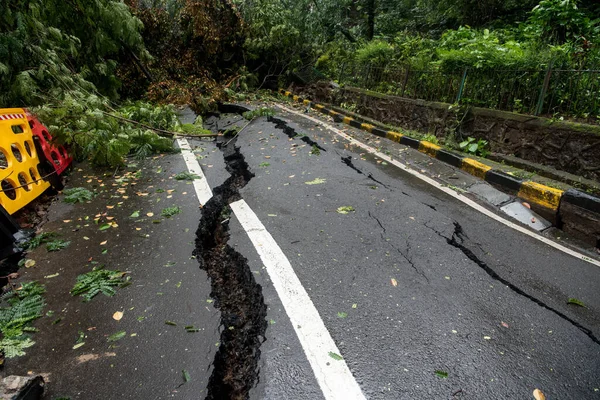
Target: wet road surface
(419, 295)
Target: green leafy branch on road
(58, 244)
(99, 281)
(24, 306)
(77, 195)
(40, 239)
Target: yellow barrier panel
(20, 175)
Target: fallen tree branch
(161, 132)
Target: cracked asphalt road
(424, 297)
(411, 282)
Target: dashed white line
(446, 190)
(333, 375)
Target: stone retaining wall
(566, 146)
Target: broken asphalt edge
(572, 209)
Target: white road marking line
(446, 190)
(201, 186)
(334, 376)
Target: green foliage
(186, 176)
(170, 211)
(42, 49)
(467, 47)
(431, 139)
(77, 195)
(259, 112)
(475, 147)
(80, 122)
(40, 239)
(98, 281)
(315, 150)
(57, 245)
(193, 129)
(15, 346)
(21, 308)
(376, 51)
(558, 21)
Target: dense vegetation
(82, 61)
(425, 33)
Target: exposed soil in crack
(458, 240)
(291, 133)
(237, 295)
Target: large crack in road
(237, 295)
(460, 240)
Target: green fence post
(462, 85)
(544, 90)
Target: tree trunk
(370, 19)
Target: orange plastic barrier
(21, 178)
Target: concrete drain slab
(489, 194)
(524, 215)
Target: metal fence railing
(573, 94)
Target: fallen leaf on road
(150, 214)
(52, 276)
(78, 345)
(335, 356)
(441, 374)
(116, 336)
(394, 282)
(345, 209)
(186, 376)
(576, 302)
(487, 338)
(538, 395)
(526, 205)
(91, 357)
(104, 227)
(504, 324)
(118, 315)
(29, 263)
(316, 181)
(103, 243)
(342, 314)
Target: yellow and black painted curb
(546, 199)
